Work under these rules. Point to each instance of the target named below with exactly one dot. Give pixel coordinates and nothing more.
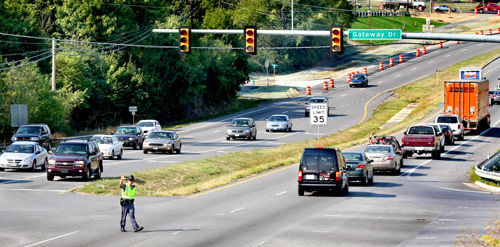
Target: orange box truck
(468, 99)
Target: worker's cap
(131, 178)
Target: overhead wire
(21, 53)
(24, 59)
(24, 64)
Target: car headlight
(245, 131)
(34, 139)
(52, 162)
(13, 139)
(27, 159)
(229, 131)
(130, 138)
(80, 163)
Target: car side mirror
(93, 153)
(405, 133)
(37, 152)
(145, 137)
(253, 125)
(50, 152)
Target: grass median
(195, 176)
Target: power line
(102, 53)
(28, 58)
(20, 42)
(24, 64)
(22, 53)
(135, 5)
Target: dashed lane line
(54, 238)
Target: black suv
(36, 133)
(322, 169)
(130, 136)
(75, 158)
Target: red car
(481, 8)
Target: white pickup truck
(398, 4)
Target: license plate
(237, 135)
(275, 128)
(419, 148)
(64, 170)
(310, 177)
(155, 148)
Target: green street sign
(374, 34)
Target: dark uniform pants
(129, 209)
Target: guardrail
(485, 169)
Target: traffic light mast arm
(424, 36)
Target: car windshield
(316, 100)
(146, 124)
(126, 130)
(444, 119)
(29, 130)
(377, 149)
(319, 163)
(444, 128)
(20, 148)
(71, 148)
(277, 118)
(102, 139)
(353, 157)
(497, 92)
(162, 135)
(240, 123)
(421, 130)
(358, 77)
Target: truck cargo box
(469, 100)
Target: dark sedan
(130, 136)
(359, 80)
(359, 167)
(449, 138)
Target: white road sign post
(132, 109)
(318, 114)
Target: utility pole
(292, 14)
(53, 64)
(191, 13)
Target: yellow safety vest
(128, 192)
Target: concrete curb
(488, 187)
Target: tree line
(97, 82)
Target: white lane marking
(332, 215)
(37, 190)
(21, 179)
(463, 49)
(281, 193)
(343, 95)
(398, 75)
(446, 220)
(461, 144)
(100, 216)
(425, 238)
(380, 82)
(260, 244)
(472, 191)
(432, 61)
(246, 143)
(175, 233)
(216, 131)
(236, 210)
(320, 231)
(447, 55)
(54, 238)
(285, 112)
(362, 89)
(480, 45)
(414, 69)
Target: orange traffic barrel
(349, 78)
(481, 32)
(381, 66)
(424, 50)
(458, 42)
(332, 83)
(365, 71)
(325, 85)
(417, 53)
(391, 62)
(401, 58)
(441, 44)
(308, 90)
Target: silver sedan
(162, 141)
(384, 158)
(24, 155)
(279, 123)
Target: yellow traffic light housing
(250, 40)
(185, 39)
(336, 37)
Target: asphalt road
(427, 205)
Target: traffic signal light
(184, 39)
(336, 37)
(250, 39)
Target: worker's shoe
(123, 229)
(138, 229)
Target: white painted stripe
(380, 82)
(332, 215)
(447, 55)
(431, 61)
(175, 233)
(446, 220)
(343, 95)
(398, 75)
(472, 191)
(362, 89)
(54, 238)
(425, 238)
(281, 193)
(414, 69)
(260, 244)
(37, 190)
(320, 231)
(22, 179)
(216, 131)
(236, 210)
(463, 49)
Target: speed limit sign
(318, 114)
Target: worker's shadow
(172, 230)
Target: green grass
(405, 23)
(475, 178)
(195, 176)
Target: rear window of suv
(444, 119)
(421, 130)
(319, 161)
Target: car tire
(396, 170)
(2, 169)
(300, 191)
(370, 180)
(112, 157)
(405, 155)
(50, 177)
(441, 149)
(306, 114)
(346, 189)
(140, 146)
(86, 176)
(401, 163)
(267, 130)
(290, 129)
(98, 174)
(44, 164)
(135, 146)
(228, 138)
(436, 155)
(33, 167)
(145, 151)
(365, 180)
(120, 155)
(178, 151)
(461, 137)
(255, 136)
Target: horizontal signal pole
(421, 36)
